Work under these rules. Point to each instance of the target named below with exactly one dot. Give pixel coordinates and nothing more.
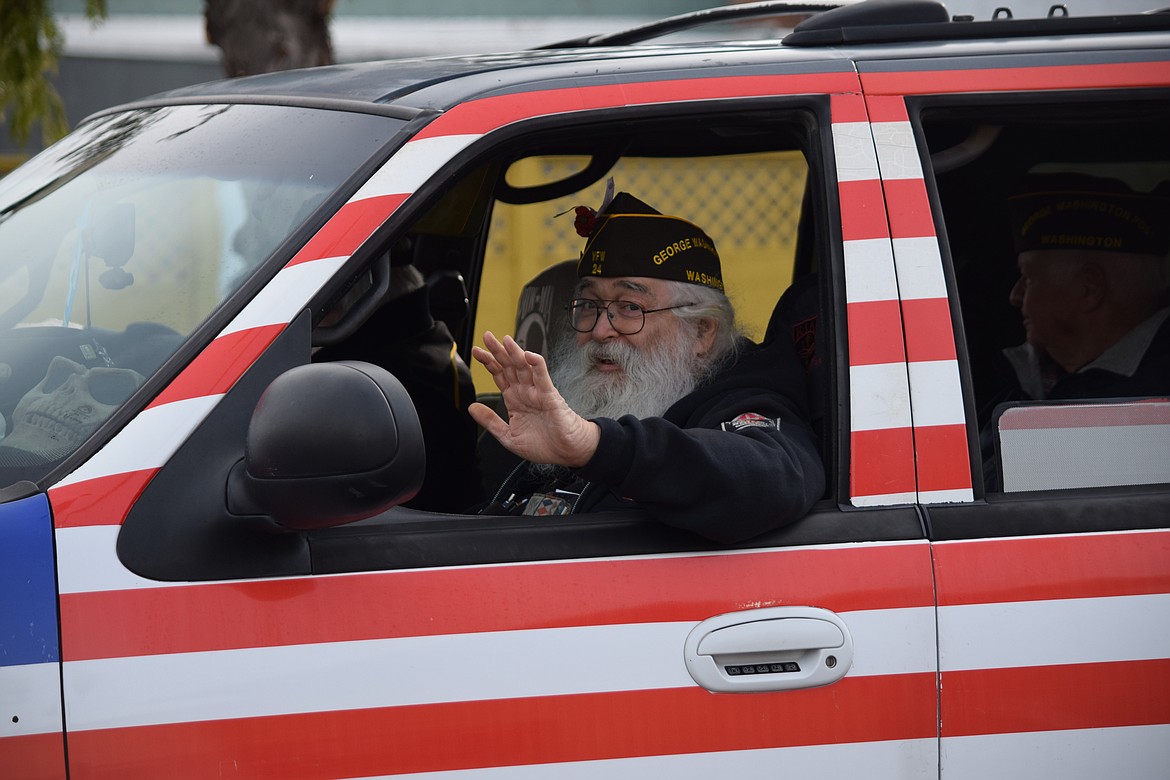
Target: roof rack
(890, 21)
(879, 21)
(673, 24)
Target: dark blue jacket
(703, 467)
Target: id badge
(544, 504)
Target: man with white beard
(664, 405)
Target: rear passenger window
(1058, 224)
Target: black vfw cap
(633, 239)
(1074, 211)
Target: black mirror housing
(328, 444)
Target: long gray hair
(710, 304)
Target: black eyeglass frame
(600, 305)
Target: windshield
(119, 241)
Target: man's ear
(705, 333)
(1094, 286)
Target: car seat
(540, 313)
(797, 317)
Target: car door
(1052, 577)
(32, 743)
(198, 642)
(111, 264)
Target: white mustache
(648, 381)
(619, 354)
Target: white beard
(651, 379)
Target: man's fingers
(514, 350)
(515, 360)
(504, 360)
(496, 348)
(490, 341)
(488, 419)
(507, 353)
(492, 365)
(540, 375)
(511, 365)
(485, 359)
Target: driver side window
(460, 264)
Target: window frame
(1043, 512)
(403, 538)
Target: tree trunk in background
(261, 36)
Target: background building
(148, 46)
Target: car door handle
(773, 649)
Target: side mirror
(328, 444)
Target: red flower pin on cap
(585, 221)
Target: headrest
(541, 310)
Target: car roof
(830, 40)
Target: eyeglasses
(625, 317)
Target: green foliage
(30, 45)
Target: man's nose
(604, 330)
(1016, 296)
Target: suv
(212, 563)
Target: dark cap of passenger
(1081, 212)
(633, 239)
